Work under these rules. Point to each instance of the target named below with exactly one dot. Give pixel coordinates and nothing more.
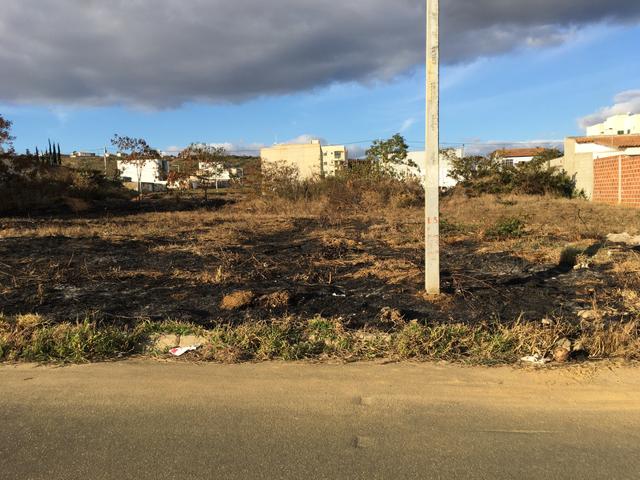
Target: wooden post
(432, 169)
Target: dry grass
(236, 300)
(274, 278)
(32, 338)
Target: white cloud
(407, 124)
(305, 138)
(623, 103)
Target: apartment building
(309, 160)
(628, 124)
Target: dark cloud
(161, 53)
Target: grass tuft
(30, 338)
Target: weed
(292, 338)
(31, 338)
(506, 228)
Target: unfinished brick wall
(631, 181)
(617, 180)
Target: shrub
(361, 185)
(28, 186)
(478, 175)
(506, 228)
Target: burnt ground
(366, 268)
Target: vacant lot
(528, 261)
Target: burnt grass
(364, 266)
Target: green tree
(6, 139)
(478, 175)
(385, 155)
(548, 154)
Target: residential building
(151, 174)
(82, 154)
(309, 160)
(416, 162)
(334, 158)
(211, 174)
(617, 125)
(602, 164)
(513, 156)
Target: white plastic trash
(179, 351)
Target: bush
(479, 175)
(27, 187)
(361, 185)
(506, 228)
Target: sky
(250, 73)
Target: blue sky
(531, 93)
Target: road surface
(153, 420)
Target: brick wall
(631, 181)
(607, 185)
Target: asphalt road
(152, 420)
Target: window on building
(507, 162)
(325, 154)
(338, 155)
(620, 132)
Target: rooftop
(518, 152)
(614, 141)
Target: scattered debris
(391, 315)
(588, 314)
(536, 359)
(179, 351)
(279, 299)
(624, 238)
(562, 352)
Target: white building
(419, 160)
(151, 174)
(616, 125)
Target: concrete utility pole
(432, 168)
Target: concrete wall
(306, 158)
(576, 164)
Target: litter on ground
(179, 351)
